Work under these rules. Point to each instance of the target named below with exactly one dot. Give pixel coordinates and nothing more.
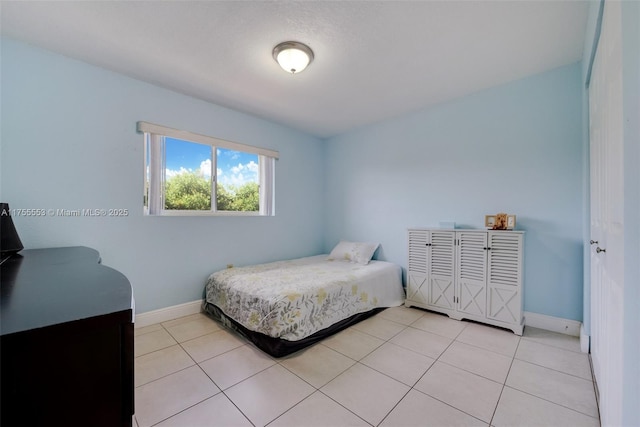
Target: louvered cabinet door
(504, 277)
(468, 274)
(441, 269)
(471, 274)
(417, 287)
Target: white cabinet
(468, 274)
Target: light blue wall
(516, 148)
(69, 141)
(68, 132)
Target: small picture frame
(511, 222)
(490, 221)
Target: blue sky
(234, 167)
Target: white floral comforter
(293, 299)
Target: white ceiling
(373, 59)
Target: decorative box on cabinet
(66, 340)
(468, 274)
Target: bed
(285, 306)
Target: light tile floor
(402, 367)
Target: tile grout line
(596, 392)
(554, 370)
(553, 403)
(375, 370)
(180, 370)
(533, 395)
(195, 363)
(318, 389)
(277, 362)
(359, 361)
(504, 384)
(356, 362)
(183, 410)
(531, 340)
(410, 387)
(191, 366)
(453, 340)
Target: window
(191, 174)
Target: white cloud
(170, 173)
(253, 167)
(205, 168)
(240, 174)
(249, 167)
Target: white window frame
(154, 150)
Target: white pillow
(354, 252)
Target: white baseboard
(554, 324)
(167, 313)
(585, 340)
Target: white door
(607, 222)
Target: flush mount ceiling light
(293, 57)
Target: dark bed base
(278, 347)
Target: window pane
(187, 175)
(238, 178)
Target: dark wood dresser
(66, 343)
